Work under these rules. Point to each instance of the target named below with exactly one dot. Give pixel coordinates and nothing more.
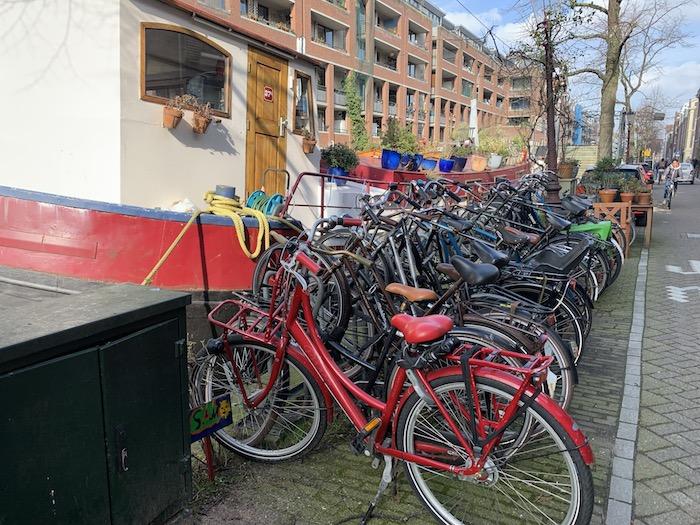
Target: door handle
(122, 450)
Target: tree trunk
(608, 92)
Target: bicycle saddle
(412, 294)
(512, 237)
(462, 225)
(549, 260)
(475, 273)
(487, 254)
(581, 200)
(417, 330)
(533, 238)
(576, 209)
(448, 270)
(558, 223)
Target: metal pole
(553, 186)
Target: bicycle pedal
(358, 443)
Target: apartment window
(177, 61)
(263, 12)
(412, 70)
(467, 62)
(520, 83)
(330, 37)
(244, 7)
(302, 104)
(215, 4)
(488, 72)
(320, 77)
(321, 118)
(467, 88)
(500, 81)
(519, 103)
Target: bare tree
(642, 54)
(613, 28)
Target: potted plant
(390, 139)
(628, 187)
(407, 146)
(491, 144)
(643, 194)
(172, 112)
(460, 154)
(567, 169)
(201, 117)
(308, 142)
(340, 159)
(609, 183)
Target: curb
(621, 492)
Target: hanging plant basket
(171, 117)
(309, 145)
(200, 124)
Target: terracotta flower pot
(566, 170)
(477, 163)
(200, 124)
(607, 195)
(171, 117)
(309, 145)
(644, 197)
(626, 197)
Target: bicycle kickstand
(383, 484)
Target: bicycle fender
(566, 421)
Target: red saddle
(418, 330)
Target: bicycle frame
(317, 358)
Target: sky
(678, 76)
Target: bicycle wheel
(329, 291)
(538, 480)
(287, 424)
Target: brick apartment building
(411, 63)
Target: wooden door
(266, 147)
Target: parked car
(686, 173)
(641, 172)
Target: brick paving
(332, 486)
(667, 465)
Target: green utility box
(94, 409)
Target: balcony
(272, 13)
(339, 98)
(449, 52)
(340, 126)
(339, 3)
(386, 18)
(417, 35)
(443, 120)
(392, 109)
(328, 32)
(521, 84)
(421, 114)
(378, 106)
(385, 55)
(321, 94)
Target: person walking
(670, 177)
(660, 167)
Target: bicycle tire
(483, 497)
(250, 444)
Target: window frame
(178, 29)
(312, 120)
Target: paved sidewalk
(667, 461)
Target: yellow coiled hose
(225, 207)
(232, 209)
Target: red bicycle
(480, 441)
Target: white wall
(59, 83)
(161, 166)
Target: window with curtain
(177, 62)
(302, 105)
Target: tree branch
(583, 70)
(590, 5)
